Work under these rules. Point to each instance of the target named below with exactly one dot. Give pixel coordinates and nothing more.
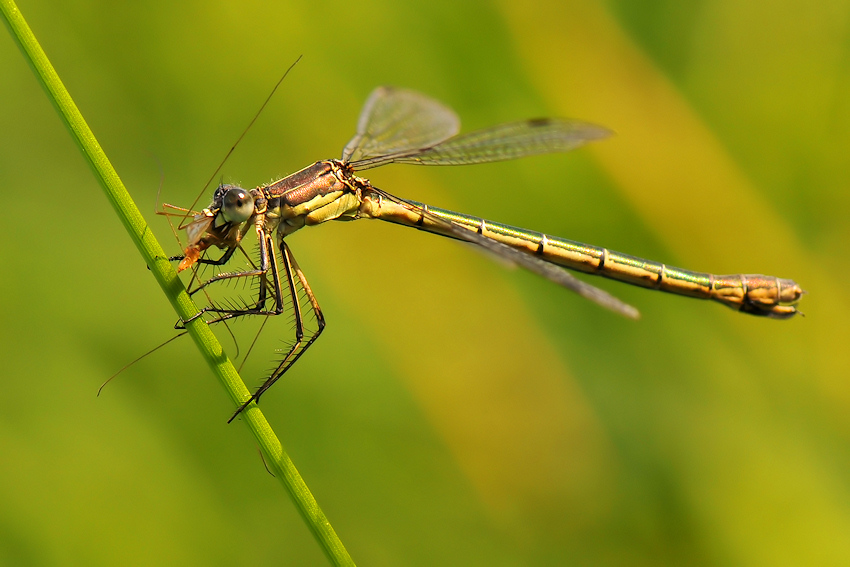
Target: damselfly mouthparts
(402, 126)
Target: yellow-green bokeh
(454, 413)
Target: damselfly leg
(280, 287)
(299, 290)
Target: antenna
(239, 139)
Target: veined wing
(528, 261)
(397, 121)
(498, 143)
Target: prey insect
(403, 126)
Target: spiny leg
(299, 332)
(195, 277)
(261, 271)
(196, 284)
(195, 280)
(294, 276)
(269, 283)
(268, 267)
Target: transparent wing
(198, 227)
(498, 143)
(528, 261)
(398, 121)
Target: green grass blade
(165, 275)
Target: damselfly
(403, 126)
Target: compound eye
(237, 205)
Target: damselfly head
(219, 224)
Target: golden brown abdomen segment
(765, 296)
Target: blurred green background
(454, 412)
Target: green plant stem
(165, 275)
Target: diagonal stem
(154, 256)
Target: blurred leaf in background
(453, 413)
